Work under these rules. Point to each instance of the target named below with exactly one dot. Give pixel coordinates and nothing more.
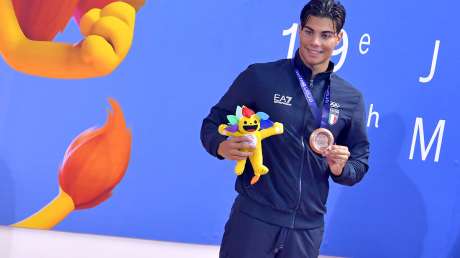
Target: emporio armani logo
(281, 99)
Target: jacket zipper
(300, 183)
(301, 167)
(301, 164)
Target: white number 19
(342, 51)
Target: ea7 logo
(281, 99)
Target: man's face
(318, 39)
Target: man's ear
(339, 36)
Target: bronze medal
(320, 140)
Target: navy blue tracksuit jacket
(294, 192)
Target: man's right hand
(232, 148)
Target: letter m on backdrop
(418, 131)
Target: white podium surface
(26, 243)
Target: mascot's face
(249, 124)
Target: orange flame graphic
(96, 161)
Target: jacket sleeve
(358, 145)
(238, 94)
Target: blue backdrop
(403, 56)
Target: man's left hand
(336, 156)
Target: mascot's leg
(239, 168)
(257, 165)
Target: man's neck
(316, 69)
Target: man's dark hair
(326, 9)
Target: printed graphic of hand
(109, 33)
(27, 33)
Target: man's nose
(315, 40)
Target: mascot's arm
(108, 35)
(277, 128)
(222, 130)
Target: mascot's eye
(255, 122)
(245, 122)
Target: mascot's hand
(108, 35)
(278, 127)
(222, 128)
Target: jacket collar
(306, 72)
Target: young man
(282, 215)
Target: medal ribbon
(320, 117)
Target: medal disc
(321, 139)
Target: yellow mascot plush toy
(256, 126)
